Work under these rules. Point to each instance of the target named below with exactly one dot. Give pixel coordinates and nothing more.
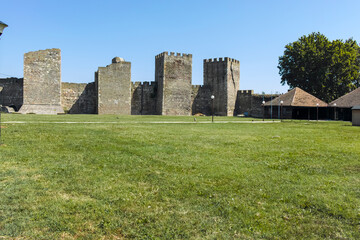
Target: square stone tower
(173, 75)
(113, 87)
(223, 78)
(42, 82)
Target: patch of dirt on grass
(353, 168)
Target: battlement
(135, 84)
(148, 83)
(226, 59)
(173, 54)
(144, 84)
(246, 91)
(195, 87)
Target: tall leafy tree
(326, 69)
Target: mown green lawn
(135, 178)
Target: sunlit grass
(145, 180)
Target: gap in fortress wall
(112, 92)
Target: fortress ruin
(172, 93)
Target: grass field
(136, 178)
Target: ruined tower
(173, 75)
(223, 77)
(42, 82)
(113, 87)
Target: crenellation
(246, 91)
(135, 84)
(196, 87)
(161, 55)
(220, 59)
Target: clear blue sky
(90, 33)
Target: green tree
(326, 69)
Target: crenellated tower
(173, 73)
(222, 76)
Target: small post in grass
(212, 103)
(334, 111)
(263, 104)
(281, 106)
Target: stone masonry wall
(159, 79)
(42, 82)
(12, 93)
(41, 91)
(201, 99)
(250, 103)
(143, 100)
(173, 76)
(223, 77)
(113, 87)
(233, 81)
(78, 98)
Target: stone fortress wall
(249, 103)
(113, 88)
(223, 78)
(112, 92)
(143, 101)
(42, 82)
(173, 76)
(78, 98)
